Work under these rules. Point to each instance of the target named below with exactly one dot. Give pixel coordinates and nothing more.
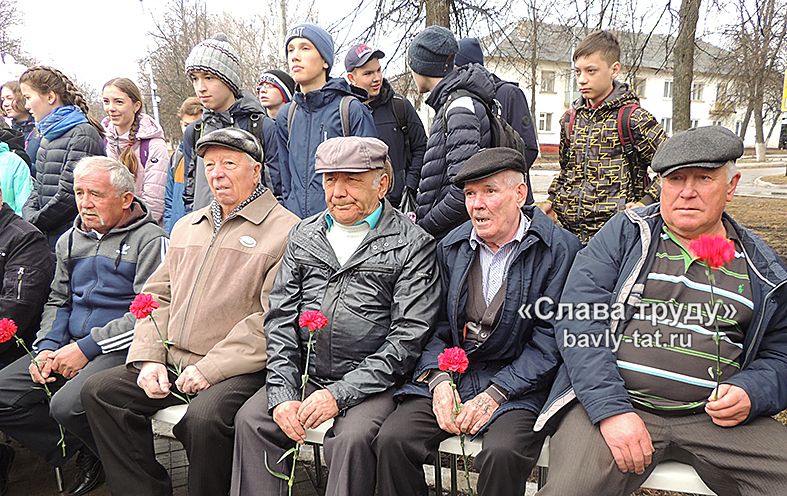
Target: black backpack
(503, 135)
(16, 143)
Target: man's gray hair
(731, 168)
(514, 178)
(121, 178)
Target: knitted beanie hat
(432, 52)
(217, 56)
(281, 80)
(319, 37)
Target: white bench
(667, 476)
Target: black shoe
(90, 473)
(6, 460)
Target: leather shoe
(90, 473)
(6, 460)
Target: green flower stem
(62, 441)
(185, 397)
(454, 413)
(716, 334)
(304, 380)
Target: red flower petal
(453, 360)
(313, 319)
(7, 330)
(142, 306)
(715, 251)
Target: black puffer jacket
(52, 207)
(26, 271)
(381, 305)
(457, 134)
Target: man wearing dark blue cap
(647, 389)
(321, 108)
(398, 125)
(513, 103)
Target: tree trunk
(683, 63)
(283, 29)
(438, 13)
(533, 63)
(745, 121)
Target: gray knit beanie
(432, 52)
(217, 56)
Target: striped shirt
(667, 356)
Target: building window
(545, 122)
(667, 89)
(695, 123)
(738, 125)
(718, 123)
(721, 91)
(639, 87)
(547, 81)
(696, 91)
(666, 123)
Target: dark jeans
(411, 435)
(119, 413)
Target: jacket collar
(255, 212)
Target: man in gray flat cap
(212, 289)
(645, 371)
(373, 273)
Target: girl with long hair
(136, 140)
(13, 105)
(68, 133)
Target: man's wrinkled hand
(68, 360)
(286, 417)
(317, 408)
(191, 381)
(476, 413)
(443, 405)
(41, 368)
(731, 408)
(154, 380)
(629, 441)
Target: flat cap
(708, 146)
(231, 137)
(350, 154)
(488, 162)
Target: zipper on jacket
(19, 275)
(197, 279)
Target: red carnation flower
(7, 330)
(453, 360)
(313, 319)
(143, 305)
(715, 251)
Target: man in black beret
(504, 258)
(647, 388)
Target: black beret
(708, 146)
(489, 161)
(231, 137)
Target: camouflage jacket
(596, 180)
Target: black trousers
(411, 435)
(119, 414)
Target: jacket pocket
(19, 284)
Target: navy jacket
(516, 112)
(520, 355)
(457, 134)
(612, 268)
(316, 119)
(407, 169)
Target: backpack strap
(256, 129)
(344, 114)
(568, 121)
(625, 133)
(400, 115)
(290, 118)
(144, 151)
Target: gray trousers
(26, 416)
(348, 448)
(745, 460)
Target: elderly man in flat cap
(373, 274)
(505, 257)
(212, 289)
(644, 372)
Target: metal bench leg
(59, 478)
(438, 475)
(541, 477)
(453, 475)
(317, 465)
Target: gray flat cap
(231, 137)
(708, 146)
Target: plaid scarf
(215, 208)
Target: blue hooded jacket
(316, 119)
